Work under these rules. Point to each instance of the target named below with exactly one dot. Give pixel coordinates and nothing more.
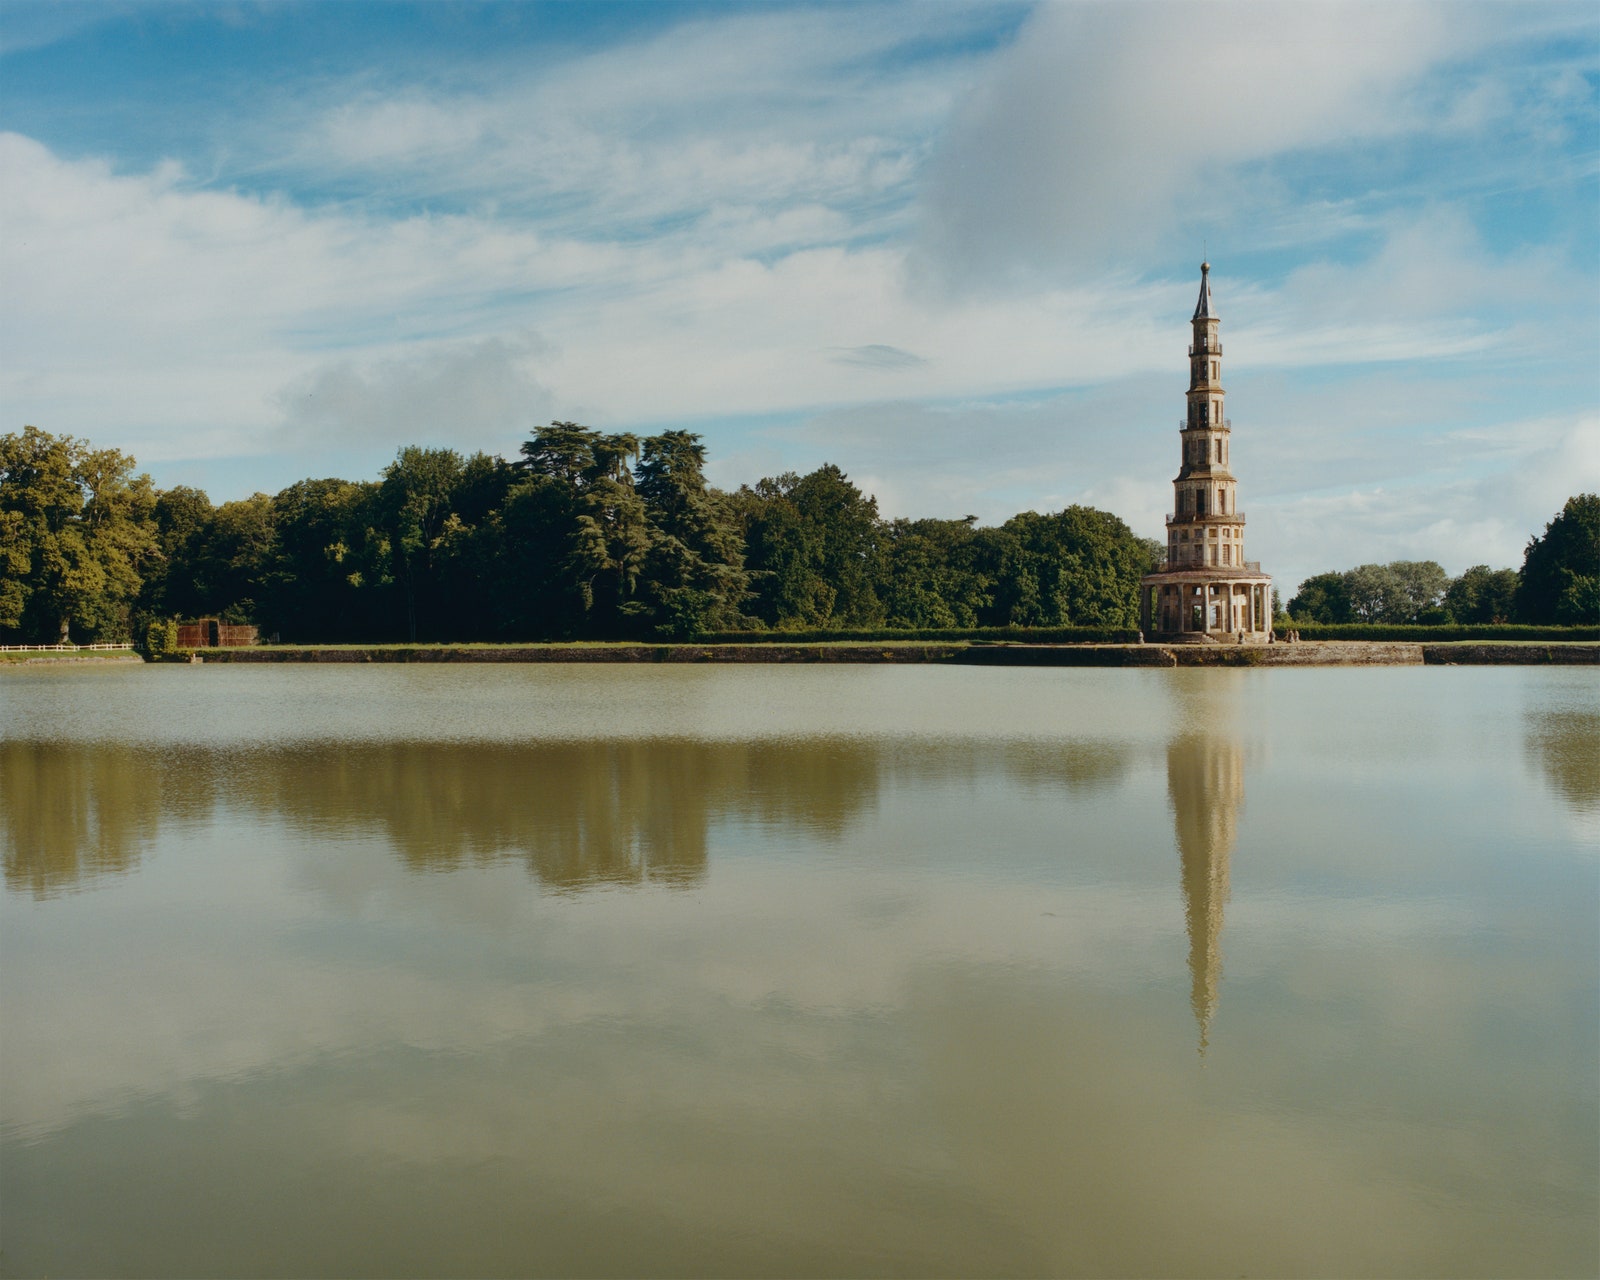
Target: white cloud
(198, 322)
(709, 227)
(761, 109)
(1427, 268)
(875, 355)
(1475, 499)
(38, 25)
(1107, 127)
(478, 394)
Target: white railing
(58, 648)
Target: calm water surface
(754, 971)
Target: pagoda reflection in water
(1205, 786)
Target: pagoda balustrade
(1168, 565)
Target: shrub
(161, 638)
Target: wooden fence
(58, 648)
(208, 633)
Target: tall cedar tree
(695, 579)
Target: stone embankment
(748, 653)
(1332, 653)
(1487, 654)
(1327, 653)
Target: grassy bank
(12, 657)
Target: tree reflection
(1566, 746)
(71, 813)
(577, 814)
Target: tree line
(594, 535)
(1558, 584)
(585, 535)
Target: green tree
(844, 533)
(782, 552)
(1078, 567)
(584, 506)
(235, 557)
(523, 547)
(1422, 588)
(76, 534)
(934, 575)
(562, 451)
(416, 501)
(470, 579)
(1482, 595)
(1560, 579)
(612, 538)
(694, 576)
(183, 519)
(814, 544)
(1400, 593)
(1324, 597)
(332, 572)
(1376, 594)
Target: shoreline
(1305, 653)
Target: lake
(681, 970)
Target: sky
(952, 248)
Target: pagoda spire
(1206, 589)
(1205, 309)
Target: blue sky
(952, 248)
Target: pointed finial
(1204, 309)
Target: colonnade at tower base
(1201, 604)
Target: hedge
(1019, 635)
(1436, 635)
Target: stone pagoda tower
(1206, 592)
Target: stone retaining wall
(1303, 654)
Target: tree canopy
(77, 532)
(1559, 584)
(598, 535)
(1561, 568)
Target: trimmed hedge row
(1021, 635)
(1437, 635)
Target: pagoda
(1206, 591)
